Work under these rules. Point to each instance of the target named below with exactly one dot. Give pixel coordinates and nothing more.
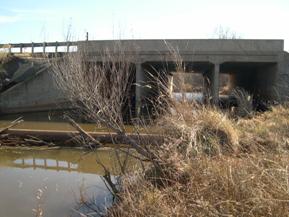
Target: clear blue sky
(39, 20)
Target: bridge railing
(44, 47)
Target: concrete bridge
(259, 66)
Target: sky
(58, 20)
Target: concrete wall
(201, 50)
(195, 45)
(282, 84)
(36, 94)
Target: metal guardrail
(33, 45)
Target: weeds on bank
(214, 166)
(267, 132)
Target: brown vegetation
(214, 166)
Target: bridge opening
(188, 85)
(194, 82)
(182, 82)
(258, 79)
(152, 80)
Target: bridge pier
(215, 84)
(211, 84)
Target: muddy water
(51, 120)
(51, 125)
(54, 180)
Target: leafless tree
(99, 88)
(225, 33)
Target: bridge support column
(32, 48)
(211, 85)
(215, 84)
(140, 89)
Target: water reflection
(69, 160)
(61, 174)
(46, 164)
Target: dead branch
(107, 180)
(37, 141)
(95, 142)
(13, 124)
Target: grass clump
(5, 58)
(211, 165)
(221, 186)
(201, 130)
(267, 132)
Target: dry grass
(221, 186)
(5, 57)
(214, 166)
(267, 132)
(201, 129)
(245, 103)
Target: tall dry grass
(267, 132)
(221, 186)
(214, 166)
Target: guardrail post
(32, 48)
(56, 47)
(44, 47)
(21, 48)
(67, 49)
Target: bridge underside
(41, 94)
(257, 78)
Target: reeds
(208, 169)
